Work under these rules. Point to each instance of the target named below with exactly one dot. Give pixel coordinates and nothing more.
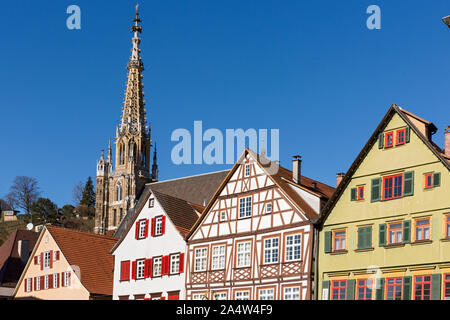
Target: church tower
(118, 190)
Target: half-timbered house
(255, 237)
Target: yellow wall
(76, 291)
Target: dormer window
(151, 203)
(247, 170)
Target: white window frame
(156, 268)
(269, 207)
(151, 203)
(223, 216)
(46, 260)
(38, 283)
(140, 269)
(247, 170)
(292, 249)
(245, 207)
(175, 263)
(289, 293)
(266, 294)
(55, 280)
(66, 278)
(219, 296)
(28, 285)
(271, 250)
(200, 259)
(198, 296)
(142, 224)
(218, 257)
(242, 295)
(243, 254)
(158, 226)
(46, 282)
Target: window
(55, 280)
(118, 192)
(392, 187)
(247, 170)
(158, 226)
(218, 257)
(395, 233)
(175, 263)
(142, 227)
(114, 217)
(364, 289)
(271, 250)
(339, 240)
(269, 208)
(447, 286)
(220, 296)
(125, 270)
(422, 287)
(140, 269)
(157, 267)
(266, 294)
(66, 278)
(243, 254)
(400, 137)
(174, 296)
(245, 207)
(447, 226)
(293, 247)
(365, 237)
(243, 295)
(198, 296)
(200, 259)
(394, 289)
(388, 139)
(422, 229)
(338, 290)
(46, 259)
(223, 216)
(428, 183)
(151, 203)
(360, 195)
(38, 283)
(292, 293)
(28, 285)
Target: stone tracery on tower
(132, 149)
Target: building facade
(255, 238)
(120, 183)
(68, 265)
(385, 233)
(150, 255)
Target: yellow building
(68, 265)
(385, 233)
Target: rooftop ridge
(84, 233)
(181, 178)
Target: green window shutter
(327, 241)
(436, 179)
(408, 183)
(364, 237)
(368, 237)
(326, 285)
(406, 231)
(351, 283)
(436, 286)
(353, 194)
(361, 242)
(407, 288)
(407, 134)
(379, 291)
(376, 190)
(382, 235)
(381, 141)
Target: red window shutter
(35, 283)
(163, 265)
(146, 228)
(125, 271)
(50, 281)
(57, 255)
(150, 268)
(136, 234)
(133, 270)
(163, 298)
(181, 256)
(174, 296)
(163, 224)
(153, 227)
(62, 279)
(35, 260)
(31, 284)
(57, 279)
(146, 268)
(51, 259)
(42, 282)
(42, 261)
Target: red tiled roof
(90, 252)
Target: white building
(149, 258)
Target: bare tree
(24, 192)
(77, 193)
(10, 200)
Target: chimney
(447, 141)
(296, 168)
(339, 177)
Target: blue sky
(311, 69)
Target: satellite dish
(29, 226)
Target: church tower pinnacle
(118, 190)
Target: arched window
(121, 153)
(118, 192)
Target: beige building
(119, 189)
(68, 265)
